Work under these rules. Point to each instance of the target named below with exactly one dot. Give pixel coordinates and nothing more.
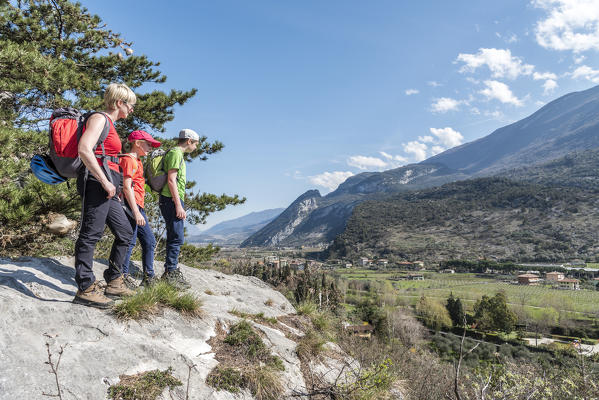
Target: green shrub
(143, 386)
(371, 382)
(310, 345)
(264, 383)
(242, 335)
(224, 378)
(321, 321)
(251, 366)
(433, 313)
(306, 308)
(259, 317)
(146, 301)
(250, 344)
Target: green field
(470, 288)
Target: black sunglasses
(129, 104)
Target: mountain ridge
(564, 125)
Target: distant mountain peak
(236, 230)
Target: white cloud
(391, 160)
(441, 140)
(403, 160)
(495, 114)
(436, 150)
(545, 75)
(500, 91)
(549, 86)
(417, 149)
(330, 180)
(513, 38)
(579, 59)
(587, 73)
(550, 81)
(388, 161)
(444, 104)
(475, 111)
(447, 136)
(570, 25)
(365, 162)
(434, 84)
(500, 62)
(386, 155)
(410, 92)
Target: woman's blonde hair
(115, 92)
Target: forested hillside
(577, 169)
(494, 218)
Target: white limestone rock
(36, 308)
(58, 224)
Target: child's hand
(139, 219)
(180, 212)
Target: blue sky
(305, 94)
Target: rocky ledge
(38, 318)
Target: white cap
(188, 134)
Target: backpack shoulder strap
(105, 130)
(100, 142)
(104, 133)
(134, 159)
(161, 165)
(131, 157)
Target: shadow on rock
(35, 284)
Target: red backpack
(66, 126)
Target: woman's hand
(109, 187)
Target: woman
(99, 185)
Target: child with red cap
(134, 193)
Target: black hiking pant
(98, 211)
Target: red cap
(143, 135)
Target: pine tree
(455, 309)
(54, 53)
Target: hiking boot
(116, 288)
(148, 281)
(130, 282)
(93, 297)
(176, 278)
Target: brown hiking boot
(93, 297)
(130, 282)
(117, 288)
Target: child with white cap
(172, 205)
